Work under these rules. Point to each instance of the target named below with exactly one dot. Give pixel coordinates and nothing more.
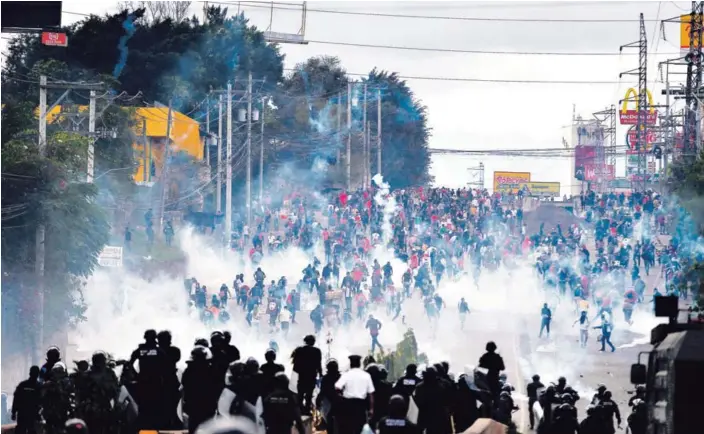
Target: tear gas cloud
(506, 303)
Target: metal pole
(207, 130)
(165, 167)
(228, 170)
(378, 132)
(41, 230)
(339, 124)
(368, 160)
(365, 146)
(146, 175)
(249, 150)
(668, 129)
(349, 136)
(218, 195)
(91, 130)
(261, 154)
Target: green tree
(47, 190)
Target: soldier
(57, 397)
(26, 405)
(171, 384)
(103, 391)
(149, 380)
(396, 422)
(53, 356)
(281, 408)
(201, 388)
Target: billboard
(590, 172)
(590, 135)
(630, 117)
(510, 182)
(650, 138)
(685, 37)
(541, 189)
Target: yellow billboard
(541, 189)
(685, 29)
(509, 182)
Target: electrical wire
(252, 4)
(466, 51)
(483, 80)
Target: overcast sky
(481, 115)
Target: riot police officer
(281, 408)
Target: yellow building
(151, 125)
(184, 135)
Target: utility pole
(261, 154)
(349, 136)
(692, 124)
(639, 182)
(378, 132)
(207, 130)
(368, 148)
(365, 145)
(40, 233)
(339, 125)
(41, 230)
(249, 150)
(165, 167)
(228, 169)
(218, 195)
(91, 131)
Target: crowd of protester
(438, 234)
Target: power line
(482, 80)
(265, 5)
(463, 51)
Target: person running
(374, 325)
(463, 308)
(583, 321)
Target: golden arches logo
(632, 92)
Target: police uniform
(356, 386)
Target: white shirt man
(356, 385)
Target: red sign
(650, 137)
(630, 117)
(591, 172)
(54, 39)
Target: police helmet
(507, 387)
(567, 398)
(601, 388)
(252, 366)
(150, 335)
(235, 371)
(201, 342)
(383, 373)
(99, 359)
(504, 395)
(491, 346)
(281, 381)
(58, 368)
(373, 371)
(201, 353)
(536, 377)
(561, 380)
(640, 388)
(75, 426)
(53, 353)
(332, 366)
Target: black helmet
(99, 359)
(202, 342)
(201, 354)
(281, 381)
(491, 346)
(567, 398)
(536, 377)
(53, 353)
(75, 426)
(561, 380)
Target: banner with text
(510, 182)
(541, 189)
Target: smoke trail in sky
(129, 27)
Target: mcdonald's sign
(630, 117)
